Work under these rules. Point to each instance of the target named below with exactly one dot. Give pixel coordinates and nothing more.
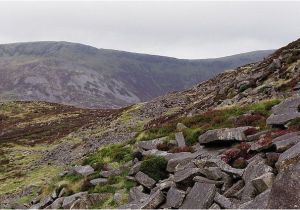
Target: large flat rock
(201, 196)
(284, 112)
(223, 134)
(289, 157)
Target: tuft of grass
(191, 135)
(154, 133)
(155, 167)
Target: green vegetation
(113, 153)
(154, 133)
(155, 167)
(191, 135)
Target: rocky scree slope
(88, 77)
(218, 136)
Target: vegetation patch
(155, 167)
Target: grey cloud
(179, 29)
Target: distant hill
(85, 76)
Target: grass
(113, 153)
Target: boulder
(175, 197)
(289, 157)
(135, 168)
(145, 180)
(213, 173)
(69, 200)
(213, 162)
(223, 135)
(234, 188)
(151, 144)
(187, 175)
(154, 200)
(259, 202)
(209, 181)
(167, 155)
(182, 159)
(215, 206)
(285, 191)
(286, 141)
(136, 193)
(180, 127)
(255, 169)
(223, 201)
(57, 204)
(119, 196)
(164, 184)
(201, 196)
(284, 112)
(180, 139)
(88, 200)
(263, 182)
(83, 170)
(99, 181)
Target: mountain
(229, 142)
(88, 77)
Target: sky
(184, 29)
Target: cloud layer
(177, 29)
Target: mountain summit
(88, 77)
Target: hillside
(88, 77)
(231, 142)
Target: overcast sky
(177, 29)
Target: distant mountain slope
(85, 76)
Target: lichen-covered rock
(255, 169)
(136, 193)
(263, 182)
(259, 202)
(284, 112)
(224, 134)
(285, 191)
(209, 181)
(145, 180)
(175, 197)
(182, 159)
(180, 139)
(201, 196)
(84, 170)
(150, 144)
(223, 201)
(99, 181)
(187, 175)
(180, 127)
(284, 142)
(289, 157)
(154, 200)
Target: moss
(155, 167)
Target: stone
(135, 168)
(213, 162)
(285, 191)
(224, 134)
(272, 158)
(57, 204)
(183, 159)
(259, 202)
(99, 181)
(69, 200)
(154, 200)
(151, 144)
(186, 175)
(180, 139)
(215, 206)
(228, 181)
(284, 142)
(111, 172)
(180, 127)
(289, 157)
(201, 196)
(62, 193)
(165, 184)
(213, 173)
(284, 112)
(175, 197)
(255, 169)
(234, 189)
(182, 166)
(223, 201)
(205, 180)
(119, 196)
(88, 200)
(263, 182)
(136, 193)
(145, 180)
(83, 170)
(167, 155)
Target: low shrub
(181, 149)
(155, 167)
(191, 135)
(250, 131)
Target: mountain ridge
(85, 76)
